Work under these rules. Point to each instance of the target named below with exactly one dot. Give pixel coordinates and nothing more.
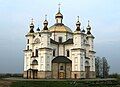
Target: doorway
(87, 69)
(75, 76)
(61, 75)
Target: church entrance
(61, 75)
(75, 76)
(61, 67)
(87, 69)
(32, 74)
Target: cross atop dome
(45, 23)
(59, 16)
(78, 24)
(59, 7)
(31, 26)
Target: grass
(66, 84)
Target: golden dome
(60, 28)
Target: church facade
(58, 52)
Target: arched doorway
(87, 69)
(33, 71)
(61, 67)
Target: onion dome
(38, 29)
(59, 15)
(83, 31)
(59, 27)
(78, 25)
(45, 23)
(31, 26)
(88, 28)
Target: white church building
(58, 52)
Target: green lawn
(66, 84)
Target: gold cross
(46, 17)
(78, 18)
(32, 20)
(88, 22)
(59, 7)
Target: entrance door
(35, 74)
(61, 75)
(75, 76)
(87, 69)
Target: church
(57, 52)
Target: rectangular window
(54, 52)
(28, 41)
(68, 53)
(60, 39)
(36, 52)
(32, 53)
(61, 67)
(27, 47)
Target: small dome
(38, 29)
(78, 23)
(58, 15)
(31, 25)
(60, 28)
(45, 22)
(88, 27)
(83, 31)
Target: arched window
(60, 39)
(54, 52)
(86, 63)
(68, 53)
(27, 41)
(36, 52)
(32, 53)
(27, 47)
(35, 62)
(61, 67)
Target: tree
(105, 67)
(102, 67)
(97, 65)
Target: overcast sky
(15, 15)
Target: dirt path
(5, 83)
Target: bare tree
(105, 68)
(97, 59)
(102, 67)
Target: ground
(5, 83)
(15, 82)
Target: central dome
(60, 28)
